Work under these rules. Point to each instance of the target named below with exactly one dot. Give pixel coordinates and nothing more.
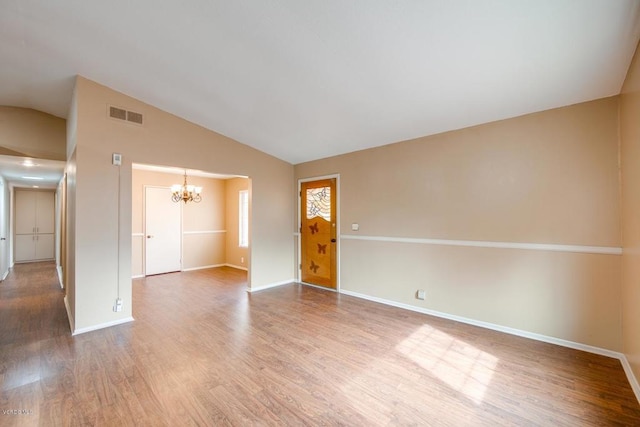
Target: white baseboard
(203, 267)
(270, 285)
(102, 326)
(6, 273)
(59, 270)
(139, 276)
(324, 288)
(69, 314)
(630, 376)
(512, 331)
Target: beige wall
(203, 223)
(100, 257)
(30, 133)
(235, 255)
(630, 155)
(545, 178)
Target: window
(243, 219)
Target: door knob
(3, 238)
(149, 236)
(333, 240)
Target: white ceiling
(303, 80)
(28, 172)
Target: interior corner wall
(236, 256)
(630, 155)
(163, 139)
(203, 224)
(430, 209)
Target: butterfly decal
(314, 267)
(314, 228)
(322, 249)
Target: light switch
(355, 227)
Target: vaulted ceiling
(306, 79)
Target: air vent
(117, 113)
(122, 114)
(134, 117)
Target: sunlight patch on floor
(460, 365)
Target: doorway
(163, 221)
(318, 232)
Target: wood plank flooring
(203, 351)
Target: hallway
(31, 308)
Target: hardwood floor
(203, 351)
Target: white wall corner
(59, 270)
(69, 315)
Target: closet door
(24, 247)
(34, 225)
(44, 247)
(45, 208)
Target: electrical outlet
(420, 294)
(118, 305)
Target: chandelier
(185, 192)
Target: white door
(45, 212)
(25, 218)
(34, 225)
(45, 247)
(162, 232)
(24, 247)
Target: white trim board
(69, 315)
(324, 288)
(59, 270)
(237, 267)
(102, 326)
(270, 285)
(605, 250)
(205, 232)
(203, 267)
(512, 331)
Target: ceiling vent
(122, 114)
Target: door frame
(299, 236)
(4, 229)
(144, 227)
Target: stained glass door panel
(318, 232)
